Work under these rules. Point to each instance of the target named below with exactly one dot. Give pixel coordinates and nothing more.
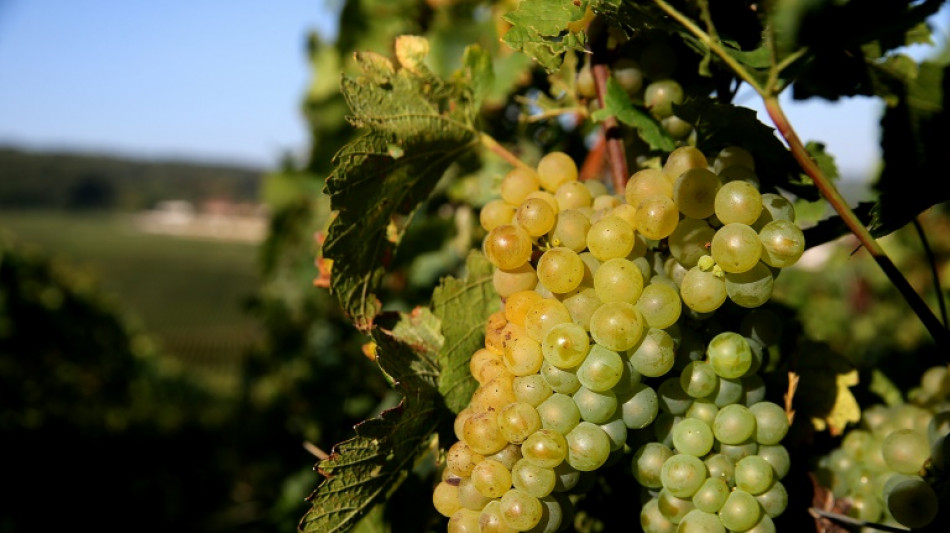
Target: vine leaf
(541, 29)
(416, 125)
(463, 305)
(617, 103)
(812, 211)
(915, 157)
(362, 471)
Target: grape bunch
(886, 470)
(593, 346)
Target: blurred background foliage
(150, 382)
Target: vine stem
(615, 150)
(489, 142)
(830, 192)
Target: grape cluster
(886, 470)
(593, 345)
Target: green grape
(697, 521)
(491, 479)
(740, 512)
(490, 519)
(532, 389)
(753, 474)
(774, 500)
(554, 512)
(464, 521)
(693, 437)
(733, 156)
(508, 282)
(560, 413)
(682, 475)
(544, 315)
(522, 355)
(695, 192)
(729, 355)
(587, 447)
(699, 379)
(660, 96)
(535, 216)
(508, 247)
(517, 421)
(711, 495)
(782, 243)
(545, 447)
(728, 391)
(595, 407)
(656, 217)
(560, 380)
(663, 427)
(565, 345)
(481, 433)
(618, 280)
(572, 195)
(751, 288)
(495, 213)
(648, 464)
(702, 291)
(771, 422)
(601, 369)
(734, 424)
(678, 128)
(546, 196)
(738, 202)
(740, 173)
(703, 409)
(753, 386)
(616, 326)
(736, 248)
(616, 431)
(905, 451)
(469, 496)
(445, 499)
(682, 159)
(690, 241)
(628, 74)
(774, 207)
(570, 230)
(654, 355)
(626, 386)
(653, 521)
(518, 184)
(722, 467)
(610, 237)
(911, 501)
(660, 305)
(555, 169)
(765, 525)
(641, 408)
(581, 306)
(736, 452)
(672, 507)
(646, 183)
(560, 270)
(520, 510)
(673, 399)
(584, 82)
(864, 506)
(538, 481)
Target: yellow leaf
(845, 410)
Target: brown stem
(594, 162)
(615, 150)
(489, 142)
(939, 333)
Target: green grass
(188, 294)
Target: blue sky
(222, 80)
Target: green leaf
(540, 29)
(477, 73)
(915, 156)
(416, 125)
(362, 471)
(617, 103)
(806, 211)
(721, 125)
(463, 306)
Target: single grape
(595, 407)
(545, 447)
(536, 217)
(616, 326)
(532, 389)
(693, 437)
(695, 192)
(445, 498)
(699, 379)
(559, 412)
(481, 433)
(697, 521)
(660, 305)
(538, 481)
(678, 128)
(496, 213)
(565, 345)
(588, 447)
(751, 288)
(508, 247)
(517, 184)
(464, 521)
(683, 474)
(690, 241)
(653, 521)
(628, 74)
(520, 510)
(469, 496)
(711, 495)
(654, 355)
(656, 217)
(775, 500)
(491, 479)
(648, 464)
(562, 380)
(782, 243)
(641, 408)
(740, 512)
(646, 183)
(581, 305)
(560, 270)
(753, 474)
(517, 421)
(618, 280)
(508, 282)
(736, 248)
(570, 230)
(661, 95)
(682, 159)
(523, 355)
(572, 195)
(734, 424)
(672, 507)
(905, 451)
(544, 315)
(702, 291)
(911, 501)
(729, 355)
(610, 237)
(771, 422)
(601, 369)
(738, 202)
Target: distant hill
(61, 180)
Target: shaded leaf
(807, 212)
(416, 126)
(617, 103)
(845, 410)
(540, 30)
(463, 306)
(369, 467)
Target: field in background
(187, 293)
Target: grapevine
(613, 335)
